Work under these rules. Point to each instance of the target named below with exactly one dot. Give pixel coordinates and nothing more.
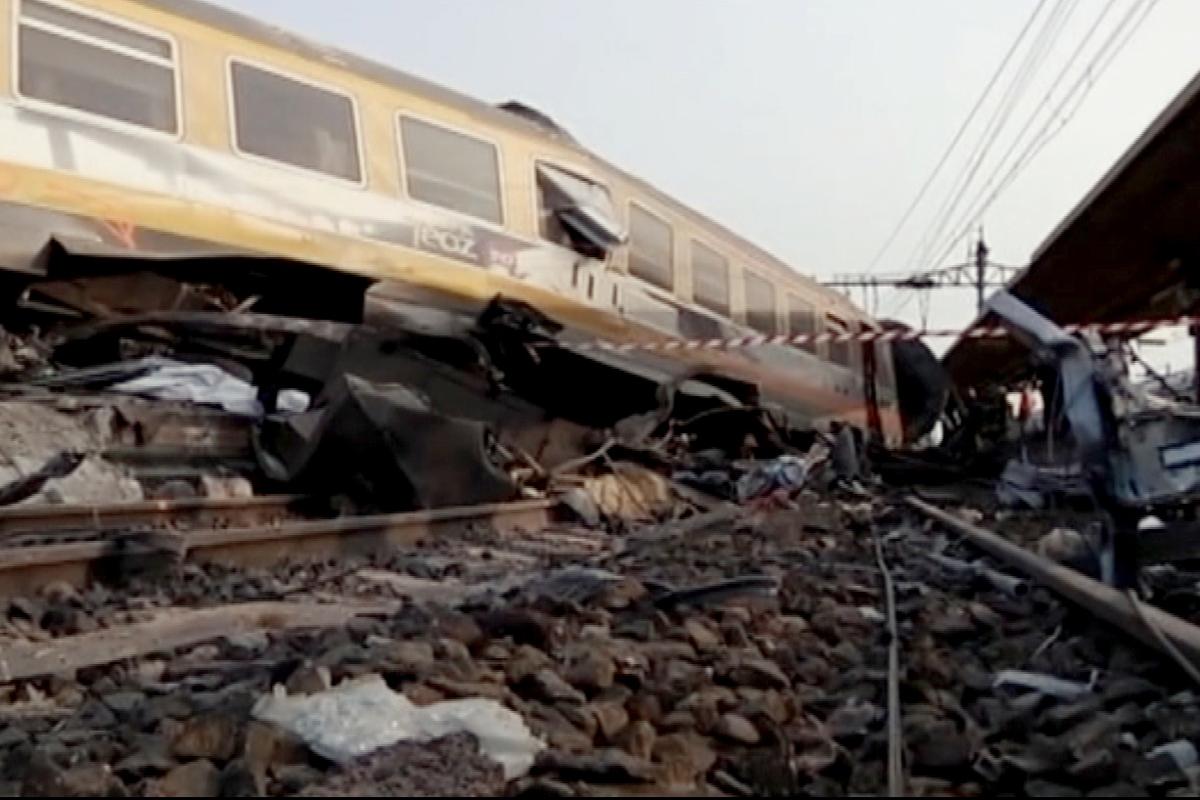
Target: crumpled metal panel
(1076, 369)
(1137, 449)
(381, 445)
(585, 207)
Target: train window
(294, 122)
(651, 248)
(710, 278)
(452, 170)
(760, 305)
(841, 352)
(88, 64)
(576, 212)
(801, 319)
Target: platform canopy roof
(1129, 250)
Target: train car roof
(1126, 250)
(243, 25)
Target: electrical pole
(981, 265)
(977, 273)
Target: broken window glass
(760, 305)
(710, 278)
(90, 65)
(801, 319)
(651, 248)
(577, 213)
(451, 170)
(295, 123)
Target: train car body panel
(368, 196)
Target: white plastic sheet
(357, 717)
(202, 384)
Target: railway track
(930, 609)
(108, 543)
(1174, 637)
(26, 522)
(906, 615)
(895, 721)
(854, 611)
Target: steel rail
(26, 569)
(25, 519)
(1148, 624)
(895, 745)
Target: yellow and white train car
(161, 130)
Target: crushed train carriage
(148, 148)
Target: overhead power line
(962, 130)
(1006, 171)
(1108, 51)
(1042, 45)
(1004, 161)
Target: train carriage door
(859, 360)
(871, 374)
(885, 383)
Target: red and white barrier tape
(742, 342)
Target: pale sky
(805, 125)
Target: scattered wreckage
(1105, 443)
(319, 488)
(679, 606)
(820, 639)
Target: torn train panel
(384, 447)
(501, 367)
(1134, 448)
(584, 209)
(490, 368)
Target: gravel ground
(634, 685)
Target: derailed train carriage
(150, 149)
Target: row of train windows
(652, 258)
(89, 64)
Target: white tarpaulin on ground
(356, 718)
